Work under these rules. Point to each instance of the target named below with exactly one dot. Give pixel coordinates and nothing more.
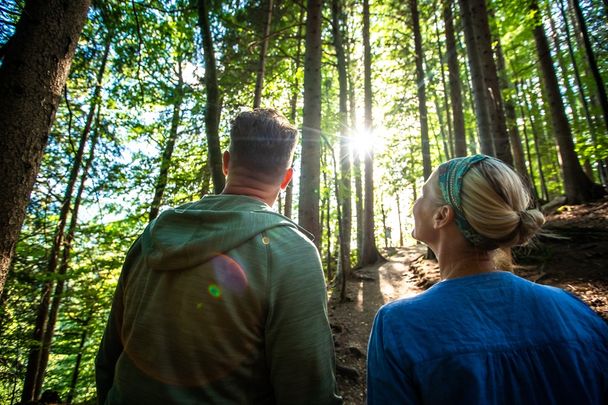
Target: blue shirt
(493, 338)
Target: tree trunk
(369, 252)
(344, 190)
(571, 99)
(577, 76)
(165, 163)
(293, 106)
(259, 82)
(579, 188)
(420, 80)
(597, 77)
(527, 144)
(519, 161)
(356, 166)
(446, 105)
(384, 225)
(444, 139)
(35, 368)
(399, 221)
(64, 264)
(308, 210)
(35, 66)
(76, 371)
(493, 96)
(532, 113)
(213, 110)
(482, 113)
(460, 142)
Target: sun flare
(362, 142)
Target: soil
(573, 256)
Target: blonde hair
(497, 204)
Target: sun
(362, 142)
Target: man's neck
(251, 188)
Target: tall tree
(369, 251)
(595, 72)
(308, 210)
(344, 189)
(293, 104)
(482, 113)
(214, 107)
(35, 65)
(421, 85)
(579, 188)
(493, 94)
(165, 163)
(34, 371)
(519, 162)
(259, 82)
(64, 262)
(460, 142)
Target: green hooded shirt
(220, 301)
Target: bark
(460, 142)
(369, 252)
(482, 114)
(493, 96)
(308, 210)
(356, 166)
(259, 82)
(591, 60)
(293, 104)
(76, 371)
(579, 188)
(446, 105)
(358, 204)
(384, 225)
(213, 110)
(165, 163)
(420, 79)
(344, 190)
(399, 221)
(519, 161)
(35, 65)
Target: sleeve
(387, 382)
(299, 343)
(111, 346)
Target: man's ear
(225, 162)
(286, 178)
(443, 216)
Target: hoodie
(219, 301)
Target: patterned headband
(451, 174)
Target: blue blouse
(493, 338)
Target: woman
(483, 335)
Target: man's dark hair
(263, 141)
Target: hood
(194, 233)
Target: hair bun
(531, 221)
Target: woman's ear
(443, 216)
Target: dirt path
(369, 289)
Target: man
(223, 300)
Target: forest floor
(577, 261)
